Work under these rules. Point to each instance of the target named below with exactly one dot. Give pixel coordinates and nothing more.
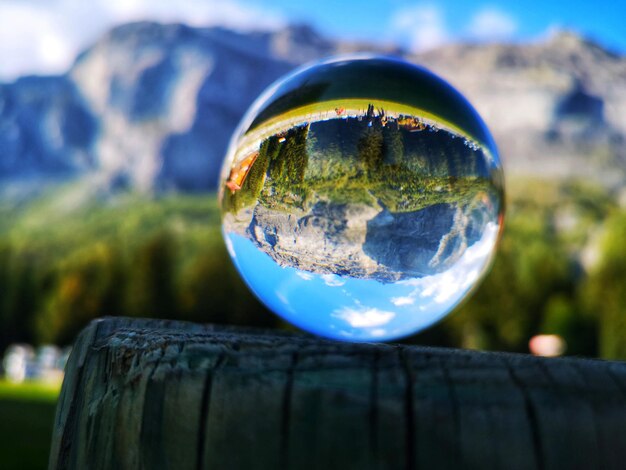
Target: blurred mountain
(47, 133)
(152, 106)
(556, 108)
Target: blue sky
(43, 36)
(516, 20)
(360, 309)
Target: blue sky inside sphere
(44, 36)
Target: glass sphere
(362, 198)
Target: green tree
(87, 285)
(289, 165)
(564, 316)
(256, 176)
(296, 155)
(370, 149)
(605, 291)
(20, 282)
(212, 291)
(151, 283)
(393, 147)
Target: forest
(559, 270)
(359, 160)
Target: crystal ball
(362, 198)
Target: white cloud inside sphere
(364, 317)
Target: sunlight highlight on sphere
(362, 198)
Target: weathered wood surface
(147, 394)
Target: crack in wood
(409, 410)
(205, 410)
(286, 411)
(530, 411)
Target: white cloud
(401, 301)
(230, 13)
(491, 24)
(305, 276)
(43, 37)
(446, 287)
(378, 332)
(421, 26)
(30, 35)
(364, 317)
(333, 280)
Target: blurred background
(115, 115)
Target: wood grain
(154, 394)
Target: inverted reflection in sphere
(362, 198)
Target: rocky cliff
(363, 241)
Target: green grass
(26, 419)
(30, 391)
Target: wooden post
(153, 394)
